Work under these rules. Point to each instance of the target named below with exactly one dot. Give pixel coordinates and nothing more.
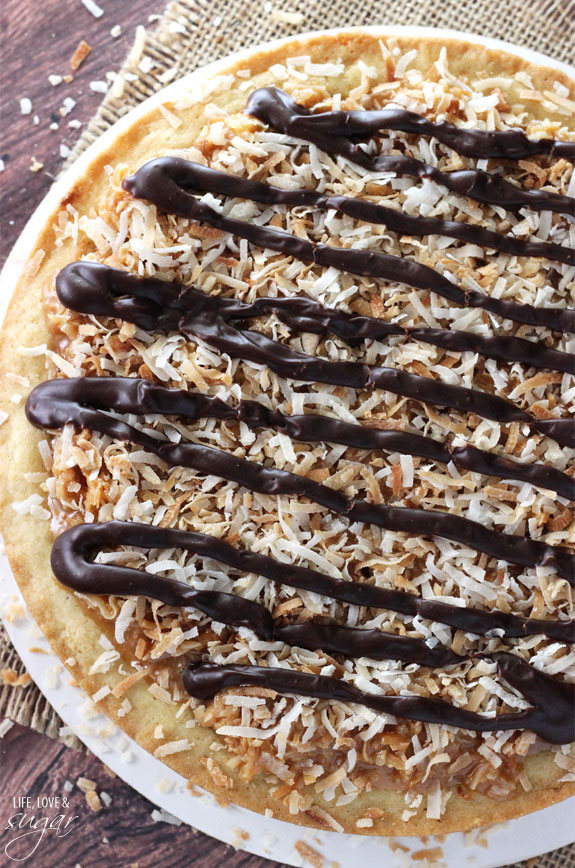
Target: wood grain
(122, 835)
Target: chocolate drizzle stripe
(504, 348)
(253, 346)
(158, 181)
(54, 403)
(481, 144)
(202, 179)
(356, 642)
(278, 110)
(89, 287)
(71, 562)
(253, 476)
(551, 716)
(72, 567)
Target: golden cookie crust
(71, 628)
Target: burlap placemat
(192, 33)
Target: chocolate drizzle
(551, 716)
(72, 565)
(156, 305)
(54, 403)
(266, 480)
(163, 182)
(161, 305)
(90, 288)
(481, 144)
(504, 348)
(329, 132)
(202, 179)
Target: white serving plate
(273, 839)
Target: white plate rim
(520, 839)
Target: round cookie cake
(291, 494)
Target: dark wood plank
(119, 836)
(38, 40)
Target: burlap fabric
(192, 33)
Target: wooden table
(122, 835)
(39, 38)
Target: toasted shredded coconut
(330, 744)
(171, 747)
(93, 8)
